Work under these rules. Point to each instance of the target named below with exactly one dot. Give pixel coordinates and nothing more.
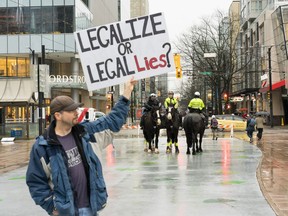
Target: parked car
(98, 114)
(225, 122)
(89, 114)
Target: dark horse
(172, 123)
(193, 125)
(151, 129)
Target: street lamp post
(40, 94)
(270, 86)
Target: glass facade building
(25, 26)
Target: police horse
(193, 125)
(151, 130)
(172, 123)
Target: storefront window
(11, 67)
(3, 66)
(23, 70)
(14, 67)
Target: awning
(274, 86)
(16, 90)
(244, 91)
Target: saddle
(191, 110)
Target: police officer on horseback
(152, 102)
(197, 105)
(173, 102)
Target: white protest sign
(111, 54)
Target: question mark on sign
(168, 61)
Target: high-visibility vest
(171, 101)
(196, 103)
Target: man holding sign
(64, 174)
(113, 53)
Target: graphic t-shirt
(76, 170)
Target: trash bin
(16, 132)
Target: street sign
(210, 55)
(206, 73)
(264, 77)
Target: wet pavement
(228, 178)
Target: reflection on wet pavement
(273, 172)
(219, 181)
(181, 175)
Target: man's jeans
(85, 212)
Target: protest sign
(111, 54)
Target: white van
(88, 114)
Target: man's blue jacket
(47, 175)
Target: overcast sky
(181, 14)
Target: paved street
(220, 181)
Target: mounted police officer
(152, 102)
(197, 105)
(170, 101)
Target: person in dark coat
(259, 126)
(250, 127)
(64, 174)
(152, 102)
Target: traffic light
(178, 67)
(268, 95)
(225, 96)
(109, 97)
(227, 106)
(178, 73)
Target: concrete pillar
(75, 71)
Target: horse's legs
(145, 145)
(169, 141)
(200, 142)
(145, 141)
(150, 146)
(175, 140)
(194, 142)
(157, 140)
(189, 142)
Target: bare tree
(218, 35)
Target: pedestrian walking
(259, 126)
(250, 127)
(214, 127)
(64, 174)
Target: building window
(3, 67)
(37, 20)
(3, 21)
(23, 70)
(11, 67)
(14, 67)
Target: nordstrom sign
(66, 79)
